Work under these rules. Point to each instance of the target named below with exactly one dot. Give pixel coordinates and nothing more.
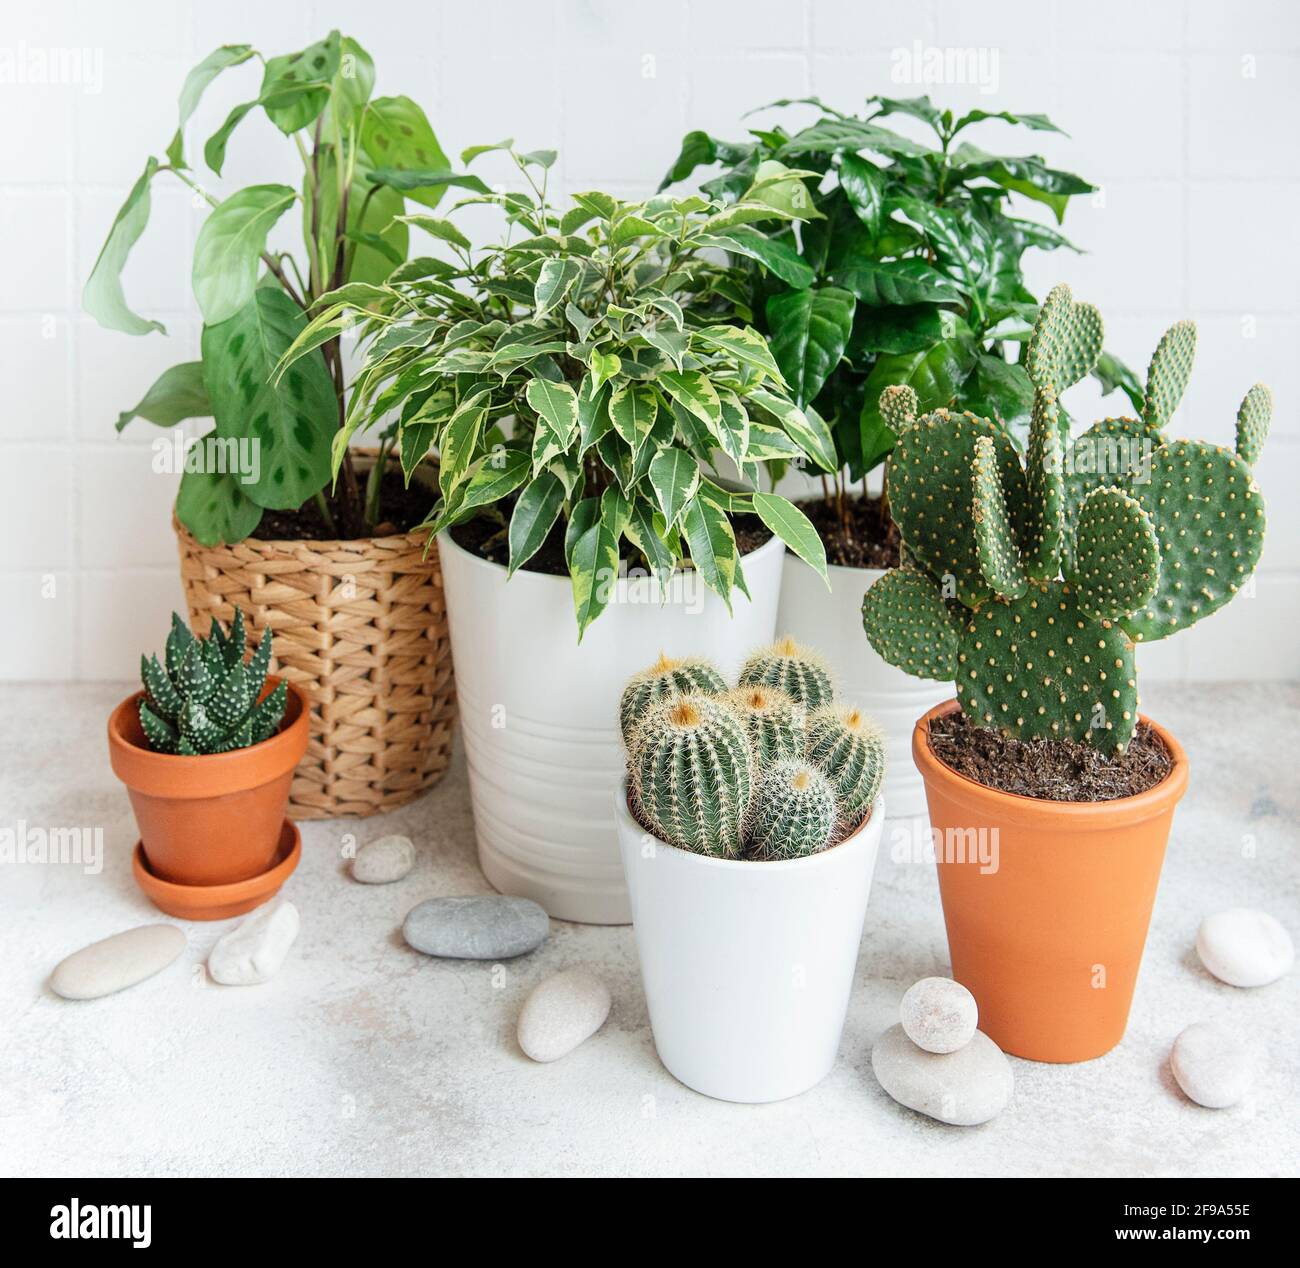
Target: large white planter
(747, 967)
(831, 622)
(539, 711)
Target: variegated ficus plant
(587, 371)
(1029, 585)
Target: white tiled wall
(1184, 111)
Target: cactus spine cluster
(203, 696)
(748, 773)
(792, 669)
(666, 677)
(1029, 585)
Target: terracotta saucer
(220, 902)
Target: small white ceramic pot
(747, 967)
(539, 710)
(831, 622)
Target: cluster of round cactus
(770, 769)
(1030, 585)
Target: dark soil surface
(487, 539)
(869, 539)
(1051, 770)
(400, 508)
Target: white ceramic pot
(831, 622)
(747, 967)
(539, 711)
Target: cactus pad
(801, 674)
(1044, 519)
(1039, 667)
(1116, 566)
(1066, 341)
(774, 722)
(793, 813)
(1114, 452)
(910, 626)
(691, 773)
(898, 406)
(1171, 367)
(930, 496)
(1209, 517)
(995, 539)
(849, 749)
(1253, 418)
(666, 677)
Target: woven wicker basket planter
(361, 627)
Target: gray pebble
(484, 927)
(963, 1088)
(383, 861)
(113, 964)
(563, 1011)
(938, 1014)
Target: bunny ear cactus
(1030, 586)
(203, 697)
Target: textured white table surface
(364, 1058)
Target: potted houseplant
(911, 273)
(207, 751)
(354, 604)
(576, 383)
(748, 825)
(1050, 796)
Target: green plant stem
(324, 508)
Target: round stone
(1212, 1064)
(483, 927)
(383, 861)
(938, 1014)
(561, 1013)
(1245, 947)
(253, 952)
(962, 1088)
(113, 964)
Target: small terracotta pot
(1047, 903)
(215, 819)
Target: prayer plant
(582, 378)
(362, 158)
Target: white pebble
(938, 1014)
(254, 951)
(1245, 947)
(1212, 1065)
(963, 1088)
(561, 1012)
(383, 861)
(112, 964)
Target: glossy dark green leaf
(864, 186)
(879, 282)
(781, 258)
(214, 509)
(534, 515)
(809, 331)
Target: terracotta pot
(1047, 903)
(215, 819)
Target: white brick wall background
(1184, 112)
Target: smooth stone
(561, 1013)
(963, 1088)
(938, 1014)
(484, 927)
(114, 963)
(1212, 1065)
(1245, 947)
(383, 861)
(254, 951)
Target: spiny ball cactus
(794, 812)
(1031, 585)
(798, 672)
(203, 697)
(668, 676)
(692, 773)
(774, 722)
(849, 749)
